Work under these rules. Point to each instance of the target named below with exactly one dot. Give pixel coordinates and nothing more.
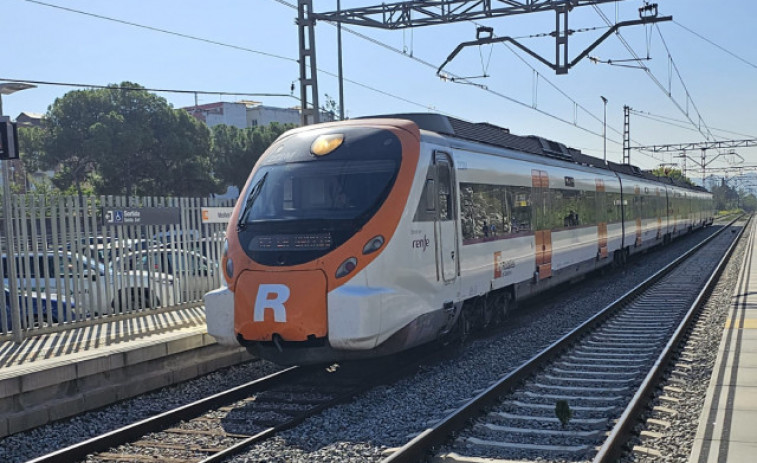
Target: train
(367, 237)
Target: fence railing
(72, 260)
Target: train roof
(490, 134)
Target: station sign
(141, 216)
(8, 138)
(216, 214)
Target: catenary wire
(191, 37)
(498, 94)
(653, 77)
(156, 90)
(670, 120)
(716, 45)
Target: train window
(493, 211)
(444, 192)
(430, 194)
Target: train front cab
(319, 207)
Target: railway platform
(726, 432)
(58, 375)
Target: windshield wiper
(241, 224)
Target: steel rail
(386, 373)
(128, 433)
(417, 449)
(623, 429)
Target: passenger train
(367, 237)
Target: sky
(701, 80)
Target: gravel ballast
(388, 416)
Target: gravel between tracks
(388, 416)
(689, 385)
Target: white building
(245, 113)
(220, 113)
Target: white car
(87, 282)
(193, 274)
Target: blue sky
(49, 44)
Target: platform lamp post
(18, 335)
(604, 129)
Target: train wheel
(490, 310)
(463, 326)
(506, 306)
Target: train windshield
(340, 190)
(300, 206)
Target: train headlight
(325, 144)
(229, 263)
(373, 245)
(229, 268)
(347, 267)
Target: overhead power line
(163, 31)
(486, 89)
(215, 42)
(716, 45)
(674, 122)
(646, 69)
(156, 90)
(272, 55)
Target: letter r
(271, 297)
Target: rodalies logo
(502, 267)
(271, 296)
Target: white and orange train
(366, 237)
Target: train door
(602, 206)
(446, 212)
(637, 213)
(541, 204)
(659, 205)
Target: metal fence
(68, 261)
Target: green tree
(235, 151)
(31, 145)
(182, 147)
(125, 140)
(674, 174)
(724, 196)
(71, 141)
(749, 203)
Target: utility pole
(341, 75)
(604, 129)
(308, 69)
(626, 135)
(416, 13)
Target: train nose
(289, 305)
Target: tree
(31, 145)
(235, 151)
(724, 196)
(675, 174)
(749, 203)
(183, 148)
(125, 140)
(71, 141)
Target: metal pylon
(309, 113)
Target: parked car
(41, 308)
(86, 281)
(192, 273)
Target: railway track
(578, 399)
(217, 427)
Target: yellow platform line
(749, 324)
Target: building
(245, 114)
(26, 119)
(220, 113)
